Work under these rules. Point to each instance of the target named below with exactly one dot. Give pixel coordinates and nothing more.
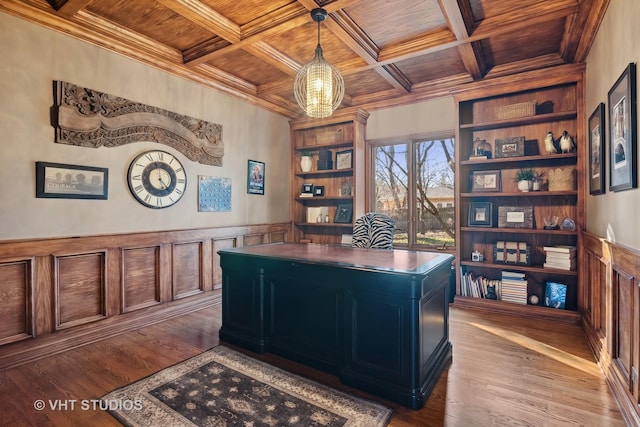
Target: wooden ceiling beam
(343, 27)
(199, 13)
(460, 27)
(274, 57)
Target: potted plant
(524, 178)
(306, 160)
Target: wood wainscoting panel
(187, 269)
(218, 245)
(62, 292)
(254, 239)
(140, 278)
(624, 331)
(16, 294)
(611, 317)
(80, 288)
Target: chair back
(373, 230)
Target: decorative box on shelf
(515, 111)
(512, 253)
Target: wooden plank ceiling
(390, 52)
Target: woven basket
(562, 179)
(514, 111)
(330, 137)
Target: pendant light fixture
(318, 86)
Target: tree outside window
(413, 183)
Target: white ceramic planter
(525, 185)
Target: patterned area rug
(222, 387)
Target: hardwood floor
(505, 372)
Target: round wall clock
(157, 179)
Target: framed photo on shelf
(515, 216)
(344, 159)
(596, 151)
(255, 177)
(623, 162)
(480, 214)
(485, 180)
(318, 190)
(307, 189)
(509, 147)
(62, 181)
(343, 214)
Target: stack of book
(560, 256)
(514, 287)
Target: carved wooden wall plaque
(88, 118)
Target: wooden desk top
(396, 261)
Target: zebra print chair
(373, 230)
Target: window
(412, 181)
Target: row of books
(472, 285)
(562, 257)
(514, 287)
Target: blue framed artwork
(214, 194)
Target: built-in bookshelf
(331, 186)
(490, 209)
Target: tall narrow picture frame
(596, 151)
(623, 162)
(255, 177)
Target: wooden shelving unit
(343, 131)
(559, 105)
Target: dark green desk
(377, 319)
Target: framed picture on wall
(596, 151)
(255, 177)
(623, 158)
(62, 181)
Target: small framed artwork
(480, 214)
(307, 189)
(623, 158)
(344, 159)
(515, 216)
(343, 214)
(255, 177)
(485, 180)
(318, 190)
(510, 147)
(62, 181)
(596, 151)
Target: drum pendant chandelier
(318, 86)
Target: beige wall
(613, 215)
(32, 57)
(429, 116)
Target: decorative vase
(306, 162)
(536, 185)
(525, 185)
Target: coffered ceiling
(390, 52)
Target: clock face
(157, 179)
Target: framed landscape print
(623, 163)
(62, 181)
(596, 151)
